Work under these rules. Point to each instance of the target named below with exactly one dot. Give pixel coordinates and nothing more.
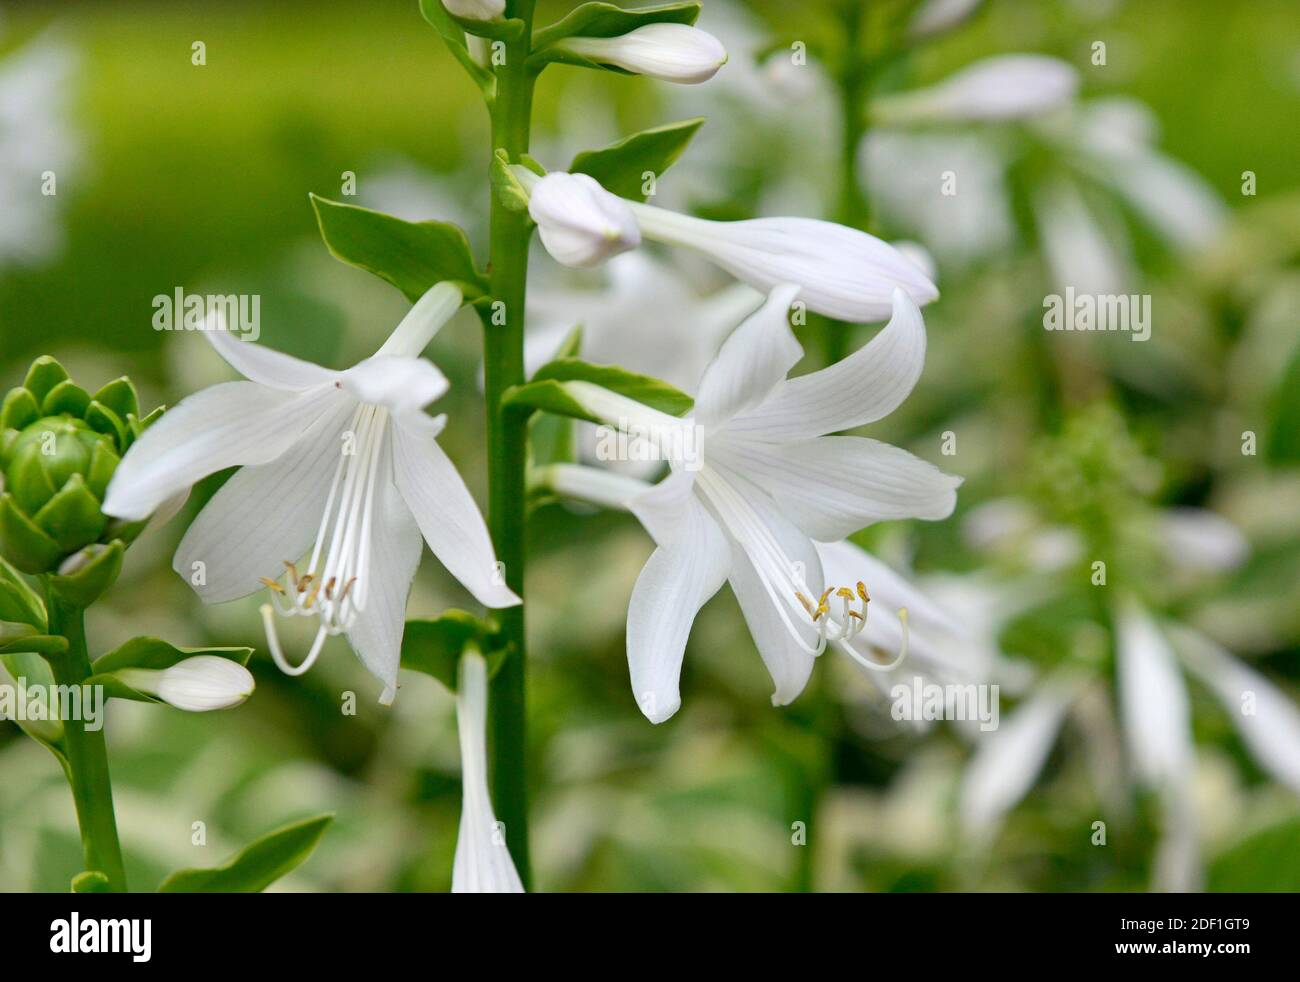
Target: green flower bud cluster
(59, 448)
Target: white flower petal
(483, 863)
(1202, 540)
(1008, 759)
(675, 583)
(844, 562)
(866, 386)
(445, 510)
(755, 359)
(263, 516)
(476, 9)
(438, 305)
(663, 510)
(580, 223)
(832, 486)
(397, 383)
(1266, 718)
(228, 425)
(376, 634)
(669, 52)
(843, 273)
(266, 366)
(789, 665)
(1153, 701)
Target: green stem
(87, 757)
(507, 434)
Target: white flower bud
(197, 684)
(1001, 88)
(581, 224)
(475, 9)
(669, 52)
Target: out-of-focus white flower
(1081, 251)
(483, 863)
(841, 272)
(1202, 540)
(669, 52)
(197, 685)
(938, 16)
(1007, 761)
(999, 88)
(476, 9)
(581, 224)
(37, 144)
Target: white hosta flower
(669, 52)
(581, 224)
(483, 863)
(476, 9)
(841, 272)
(999, 88)
(938, 16)
(197, 685)
(755, 480)
(344, 464)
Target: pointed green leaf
(412, 256)
(604, 20)
(621, 168)
(44, 375)
(22, 543)
(645, 389)
(20, 410)
(66, 397)
(256, 867)
(101, 419)
(434, 646)
(72, 517)
(19, 602)
(95, 570)
(155, 653)
(119, 396)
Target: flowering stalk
(84, 750)
(503, 356)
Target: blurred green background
(175, 175)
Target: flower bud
(581, 224)
(59, 447)
(669, 52)
(475, 9)
(196, 685)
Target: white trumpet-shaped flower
(755, 481)
(476, 9)
(841, 272)
(581, 224)
(669, 52)
(197, 685)
(998, 88)
(483, 863)
(343, 466)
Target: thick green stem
(87, 756)
(503, 354)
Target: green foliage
(621, 167)
(434, 646)
(258, 865)
(152, 654)
(604, 20)
(547, 390)
(412, 256)
(1267, 861)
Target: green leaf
(1267, 862)
(22, 543)
(604, 20)
(90, 881)
(546, 391)
(18, 601)
(1284, 443)
(621, 167)
(412, 256)
(150, 653)
(454, 37)
(66, 397)
(44, 375)
(256, 867)
(434, 646)
(97, 572)
(20, 410)
(72, 517)
(506, 186)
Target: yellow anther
(273, 585)
(844, 593)
(311, 597)
(807, 604)
(862, 592)
(329, 587)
